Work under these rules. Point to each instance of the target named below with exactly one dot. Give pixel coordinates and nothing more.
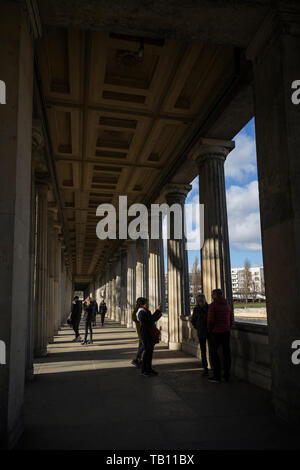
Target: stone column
(58, 277)
(55, 280)
(113, 289)
(114, 294)
(41, 297)
(51, 271)
(109, 298)
(118, 289)
(275, 55)
(156, 271)
(123, 300)
(176, 194)
(131, 280)
(16, 58)
(31, 282)
(215, 254)
(141, 290)
(106, 282)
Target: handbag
(155, 334)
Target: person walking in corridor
(199, 322)
(76, 310)
(88, 318)
(148, 333)
(219, 323)
(95, 310)
(102, 311)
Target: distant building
(257, 287)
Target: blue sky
(242, 201)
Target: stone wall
(251, 359)
(249, 348)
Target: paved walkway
(91, 397)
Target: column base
(40, 353)
(29, 375)
(11, 439)
(286, 412)
(175, 346)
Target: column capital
(58, 230)
(176, 192)
(52, 209)
(129, 243)
(206, 149)
(283, 20)
(42, 181)
(37, 136)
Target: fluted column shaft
(274, 52)
(141, 290)
(110, 297)
(58, 279)
(156, 271)
(51, 269)
(131, 280)
(123, 299)
(215, 254)
(176, 194)
(118, 289)
(41, 297)
(113, 289)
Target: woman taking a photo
(88, 318)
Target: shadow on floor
(94, 398)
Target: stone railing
(163, 326)
(249, 349)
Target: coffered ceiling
(119, 109)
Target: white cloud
(241, 162)
(194, 191)
(244, 217)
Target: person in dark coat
(199, 322)
(88, 319)
(76, 317)
(95, 311)
(137, 361)
(219, 323)
(147, 322)
(102, 311)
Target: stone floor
(91, 397)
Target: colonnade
(36, 272)
(51, 286)
(138, 268)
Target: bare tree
(262, 287)
(247, 280)
(196, 277)
(254, 291)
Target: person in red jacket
(219, 323)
